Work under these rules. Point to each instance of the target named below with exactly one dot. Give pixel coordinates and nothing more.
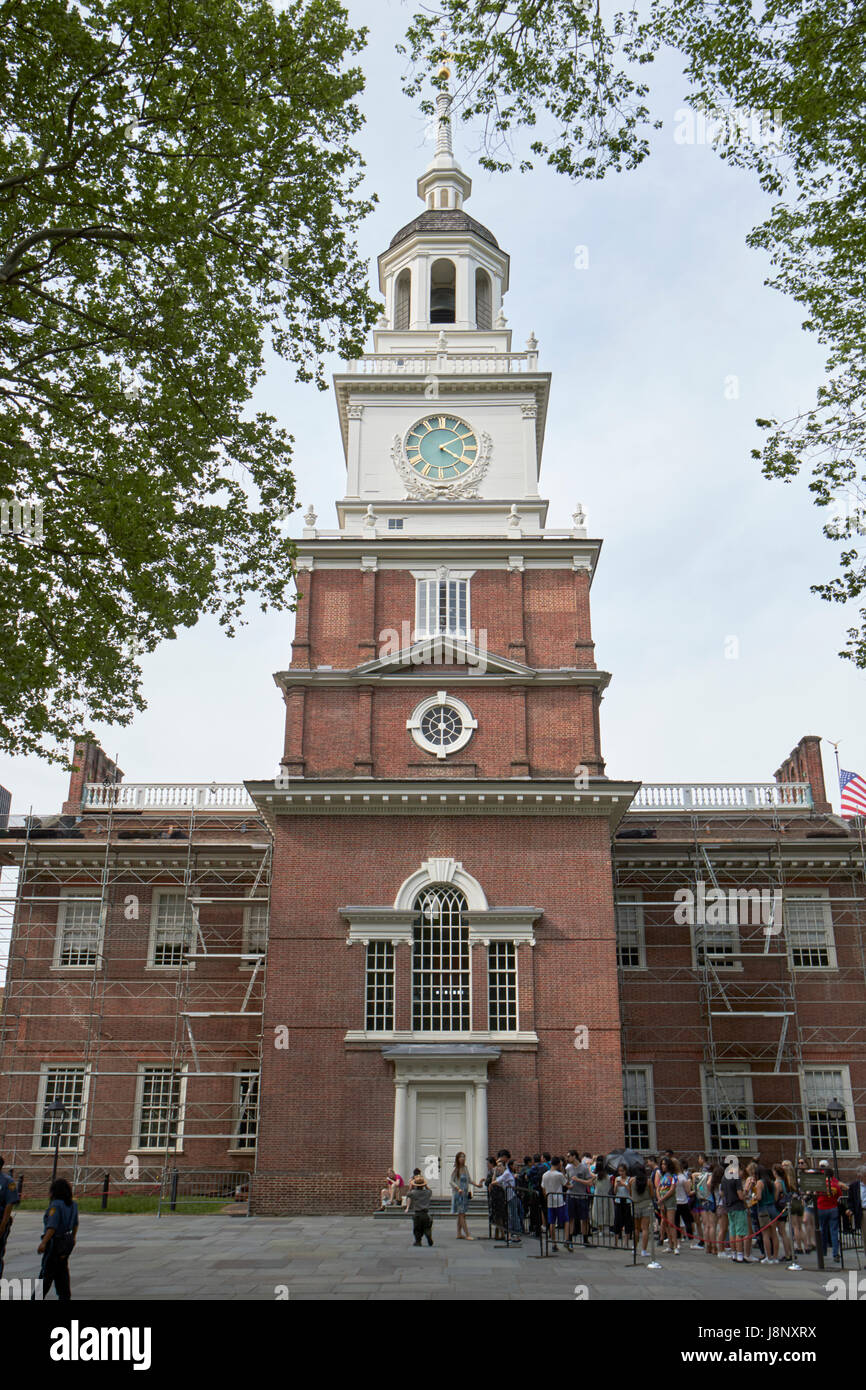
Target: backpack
(701, 1187)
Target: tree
(783, 85)
(178, 189)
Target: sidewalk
(328, 1257)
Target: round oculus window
(442, 724)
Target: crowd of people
(730, 1208)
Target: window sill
(361, 1037)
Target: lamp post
(58, 1109)
(835, 1116)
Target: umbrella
(632, 1160)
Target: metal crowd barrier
(515, 1214)
(187, 1188)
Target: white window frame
(646, 1068)
(236, 1145)
(158, 895)
(496, 942)
(42, 1100)
(470, 973)
(749, 1143)
(845, 1097)
(817, 896)
(136, 1146)
(734, 962)
(413, 724)
(247, 932)
(631, 898)
(422, 627)
(67, 894)
(374, 943)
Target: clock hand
(446, 448)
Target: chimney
(92, 764)
(803, 764)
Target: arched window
(483, 300)
(444, 198)
(402, 298)
(442, 291)
(440, 961)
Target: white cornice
(431, 796)
(497, 671)
(399, 384)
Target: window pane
(628, 933)
(257, 927)
(248, 1111)
(160, 1106)
(440, 962)
(808, 931)
(379, 1015)
(79, 943)
(502, 986)
(635, 1086)
(173, 926)
(64, 1084)
(823, 1086)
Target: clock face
(441, 448)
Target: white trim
(647, 1069)
(720, 962)
(507, 941)
(442, 575)
(156, 897)
(475, 1035)
(440, 871)
(413, 724)
(631, 897)
(235, 1147)
(816, 895)
(846, 1098)
(41, 1102)
(749, 1141)
(181, 1076)
(78, 892)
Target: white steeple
(444, 184)
(443, 423)
(444, 267)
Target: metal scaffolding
(197, 1020)
(745, 1011)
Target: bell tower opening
(443, 291)
(403, 299)
(483, 300)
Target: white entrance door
(440, 1134)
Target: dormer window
(443, 297)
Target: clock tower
(442, 950)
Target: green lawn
(119, 1206)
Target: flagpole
(835, 747)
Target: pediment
(443, 651)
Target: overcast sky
(646, 429)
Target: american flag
(852, 788)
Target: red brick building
(442, 925)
